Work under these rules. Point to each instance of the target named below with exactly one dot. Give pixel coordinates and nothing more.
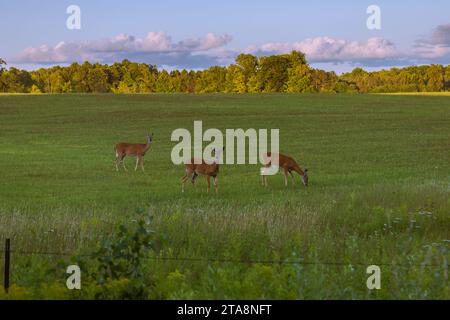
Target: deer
(288, 165)
(137, 150)
(203, 168)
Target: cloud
(327, 49)
(155, 48)
(436, 46)
(440, 36)
(202, 52)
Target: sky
(197, 34)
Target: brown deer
(208, 170)
(288, 165)
(137, 150)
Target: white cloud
(435, 46)
(327, 49)
(154, 46)
(440, 36)
(202, 52)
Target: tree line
(249, 73)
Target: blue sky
(195, 34)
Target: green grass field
(379, 194)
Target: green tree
(2, 69)
(435, 76)
(35, 89)
(299, 79)
(2, 62)
(163, 83)
(15, 80)
(98, 79)
(212, 80)
(447, 78)
(235, 80)
(249, 66)
(273, 73)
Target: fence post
(7, 264)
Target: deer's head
(150, 138)
(305, 177)
(217, 153)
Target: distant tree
(235, 79)
(187, 81)
(15, 80)
(299, 79)
(297, 58)
(272, 73)
(342, 86)
(358, 77)
(249, 65)
(163, 83)
(435, 76)
(2, 84)
(447, 78)
(323, 81)
(35, 89)
(275, 73)
(98, 79)
(2, 62)
(212, 80)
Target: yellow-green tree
(299, 79)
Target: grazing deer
(194, 170)
(288, 165)
(137, 150)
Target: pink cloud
(327, 49)
(107, 49)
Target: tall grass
(379, 194)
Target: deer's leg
(208, 178)
(193, 179)
(264, 180)
(185, 178)
(137, 163)
(183, 181)
(285, 177)
(119, 158)
(142, 164)
(292, 177)
(264, 177)
(216, 184)
(117, 163)
(123, 162)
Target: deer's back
(284, 161)
(130, 148)
(202, 168)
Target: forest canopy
(275, 73)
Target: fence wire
(224, 260)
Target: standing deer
(137, 150)
(288, 165)
(194, 170)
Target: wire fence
(225, 260)
(8, 252)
